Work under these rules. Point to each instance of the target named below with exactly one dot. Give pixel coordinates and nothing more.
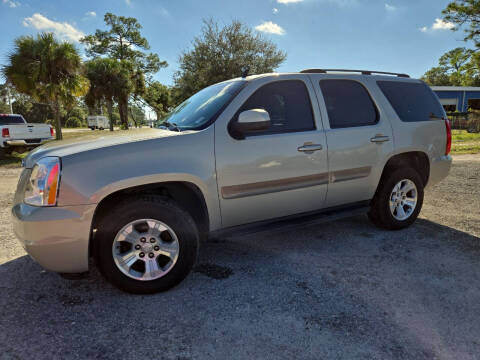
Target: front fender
(90, 176)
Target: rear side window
(288, 104)
(11, 120)
(412, 101)
(348, 104)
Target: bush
(73, 122)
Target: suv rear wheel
(146, 245)
(398, 200)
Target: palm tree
(110, 81)
(47, 70)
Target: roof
(455, 88)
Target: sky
(405, 36)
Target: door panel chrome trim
(272, 186)
(267, 187)
(350, 174)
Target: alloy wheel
(145, 249)
(403, 199)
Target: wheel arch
(186, 194)
(418, 160)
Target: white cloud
(12, 4)
(91, 13)
(63, 30)
(275, 10)
(270, 27)
(439, 24)
(128, 2)
(288, 1)
(389, 7)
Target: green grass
(464, 135)
(465, 143)
(12, 160)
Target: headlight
(42, 188)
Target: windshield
(198, 110)
(11, 120)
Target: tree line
(48, 79)
(460, 66)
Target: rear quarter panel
(425, 136)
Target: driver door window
(287, 103)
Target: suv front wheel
(146, 245)
(398, 199)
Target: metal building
(457, 95)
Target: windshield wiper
(172, 126)
(169, 126)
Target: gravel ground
(342, 290)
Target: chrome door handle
(379, 139)
(308, 147)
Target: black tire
(146, 207)
(380, 213)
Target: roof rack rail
(363, 72)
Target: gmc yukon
(250, 152)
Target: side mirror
(250, 121)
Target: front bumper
(56, 237)
(439, 169)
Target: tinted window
(288, 104)
(412, 101)
(11, 120)
(348, 104)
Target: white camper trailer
(98, 122)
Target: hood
(90, 142)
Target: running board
(299, 221)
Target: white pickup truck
(16, 132)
